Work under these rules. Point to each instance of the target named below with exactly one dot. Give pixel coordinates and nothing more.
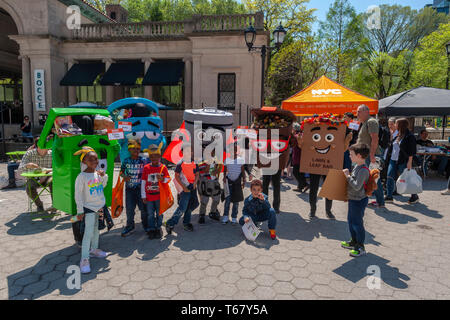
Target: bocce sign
(323, 148)
(39, 89)
(115, 134)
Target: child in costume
(90, 201)
(209, 172)
(357, 199)
(131, 170)
(186, 176)
(257, 207)
(153, 174)
(234, 175)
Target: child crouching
(257, 207)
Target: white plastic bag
(251, 231)
(409, 182)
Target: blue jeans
(133, 198)
(234, 210)
(355, 219)
(442, 164)
(188, 201)
(379, 192)
(154, 218)
(268, 215)
(11, 167)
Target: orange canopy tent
(325, 95)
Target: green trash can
(66, 166)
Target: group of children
(144, 175)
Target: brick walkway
(409, 244)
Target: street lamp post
(447, 46)
(250, 36)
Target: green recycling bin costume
(66, 166)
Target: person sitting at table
(37, 158)
(438, 161)
(12, 167)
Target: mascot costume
(140, 120)
(323, 142)
(274, 128)
(210, 136)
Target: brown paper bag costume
(323, 144)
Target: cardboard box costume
(66, 166)
(141, 119)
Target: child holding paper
(257, 207)
(357, 199)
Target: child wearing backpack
(357, 191)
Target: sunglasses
(276, 145)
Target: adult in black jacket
(402, 152)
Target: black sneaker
(152, 234)
(158, 234)
(127, 231)
(189, 227)
(169, 228)
(388, 199)
(312, 215)
(201, 219)
(215, 215)
(110, 226)
(330, 215)
(414, 199)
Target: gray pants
(204, 202)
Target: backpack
(371, 185)
(384, 137)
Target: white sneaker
(225, 220)
(446, 192)
(97, 253)
(84, 266)
(234, 221)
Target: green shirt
(367, 128)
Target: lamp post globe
(279, 34)
(250, 35)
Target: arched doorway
(10, 75)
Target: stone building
(51, 56)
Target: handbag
(165, 196)
(117, 198)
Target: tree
(431, 59)
(341, 30)
(293, 14)
(402, 28)
(295, 66)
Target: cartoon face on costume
(101, 153)
(323, 146)
(274, 129)
(148, 130)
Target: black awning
(122, 73)
(167, 73)
(82, 74)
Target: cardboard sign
(335, 186)
(323, 148)
(126, 126)
(115, 134)
(354, 125)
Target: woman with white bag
(402, 150)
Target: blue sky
(361, 6)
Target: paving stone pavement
(409, 244)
